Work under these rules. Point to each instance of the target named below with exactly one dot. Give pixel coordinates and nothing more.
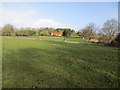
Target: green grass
(50, 62)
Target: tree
(68, 32)
(31, 32)
(25, 32)
(110, 29)
(8, 30)
(60, 30)
(45, 31)
(89, 32)
(22, 32)
(116, 41)
(0, 31)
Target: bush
(116, 41)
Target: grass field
(52, 62)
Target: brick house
(56, 33)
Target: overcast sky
(75, 15)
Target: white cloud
(46, 22)
(17, 21)
(28, 19)
(17, 18)
(50, 23)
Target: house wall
(57, 34)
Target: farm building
(56, 33)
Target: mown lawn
(57, 63)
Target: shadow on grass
(35, 67)
(55, 67)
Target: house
(56, 33)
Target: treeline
(107, 35)
(10, 30)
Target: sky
(74, 15)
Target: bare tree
(89, 32)
(8, 30)
(110, 29)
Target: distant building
(56, 33)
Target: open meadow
(55, 62)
